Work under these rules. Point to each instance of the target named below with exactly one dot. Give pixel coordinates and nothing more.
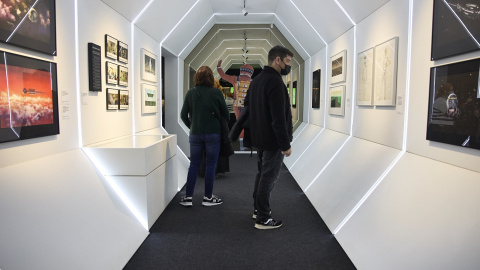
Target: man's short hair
(278, 51)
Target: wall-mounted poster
(365, 78)
(294, 94)
(122, 52)
(111, 50)
(30, 24)
(337, 100)
(385, 77)
(149, 66)
(123, 100)
(28, 98)
(94, 67)
(454, 104)
(123, 75)
(113, 99)
(149, 98)
(338, 66)
(316, 89)
(456, 27)
(111, 70)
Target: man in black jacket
(270, 121)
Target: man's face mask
(286, 70)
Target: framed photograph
(28, 98)
(294, 94)
(111, 49)
(123, 99)
(122, 52)
(122, 75)
(365, 78)
(113, 99)
(454, 104)
(316, 89)
(338, 66)
(337, 100)
(385, 77)
(149, 98)
(456, 28)
(29, 24)
(111, 70)
(148, 66)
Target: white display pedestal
(143, 169)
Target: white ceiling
(180, 25)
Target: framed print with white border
(111, 70)
(123, 100)
(149, 98)
(122, 52)
(385, 76)
(148, 66)
(337, 100)
(338, 67)
(122, 75)
(365, 78)
(111, 47)
(112, 99)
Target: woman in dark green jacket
(202, 108)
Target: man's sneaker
(186, 201)
(254, 216)
(269, 224)
(214, 200)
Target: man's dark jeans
(269, 164)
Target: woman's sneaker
(214, 200)
(186, 201)
(269, 224)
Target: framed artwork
(454, 104)
(28, 98)
(288, 87)
(113, 99)
(111, 49)
(122, 75)
(455, 28)
(123, 99)
(337, 100)
(111, 70)
(338, 66)
(29, 24)
(385, 77)
(122, 52)
(316, 89)
(148, 66)
(294, 94)
(94, 67)
(365, 78)
(149, 98)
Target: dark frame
(316, 77)
(119, 74)
(37, 30)
(111, 47)
(122, 52)
(112, 99)
(454, 104)
(123, 96)
(109, 66)
(294, 94)
(453, 26)
(31, 82)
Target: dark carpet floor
(224, 237)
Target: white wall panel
(348, 178)
(419, 84)
(359, 10)
(128, 9)
(424, 215)
(301, 142)
(291, 39)
(313, 161)
(98, 124)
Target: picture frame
(113, 99)
(111, 73)
(294, 94)
(94, 67)
(149, 98)
(123, 99)
(454, 104)
(337, 100)
(29, 101)
(35, 31)
(338, 67)
(148, 66)
(122, 52)
(365, 69)
(111, 50)
(455, 28)
(122, 75)
(385, 74)
(316, 77)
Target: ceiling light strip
(354, 88)
(181, 20)
(308, 22)
(77, 81)
(406, 99)
(345, 12)
(141, 12)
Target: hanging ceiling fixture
(245, 12)
(245, 51)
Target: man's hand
(219, 63)
(287, 153)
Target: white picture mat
(111, 49)
(149, 70)
(337, 98)
(112, 99)
(385, 76)
(338, 67)
(365, 62)
(122, 75)
(149, 95)
(112, 73)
